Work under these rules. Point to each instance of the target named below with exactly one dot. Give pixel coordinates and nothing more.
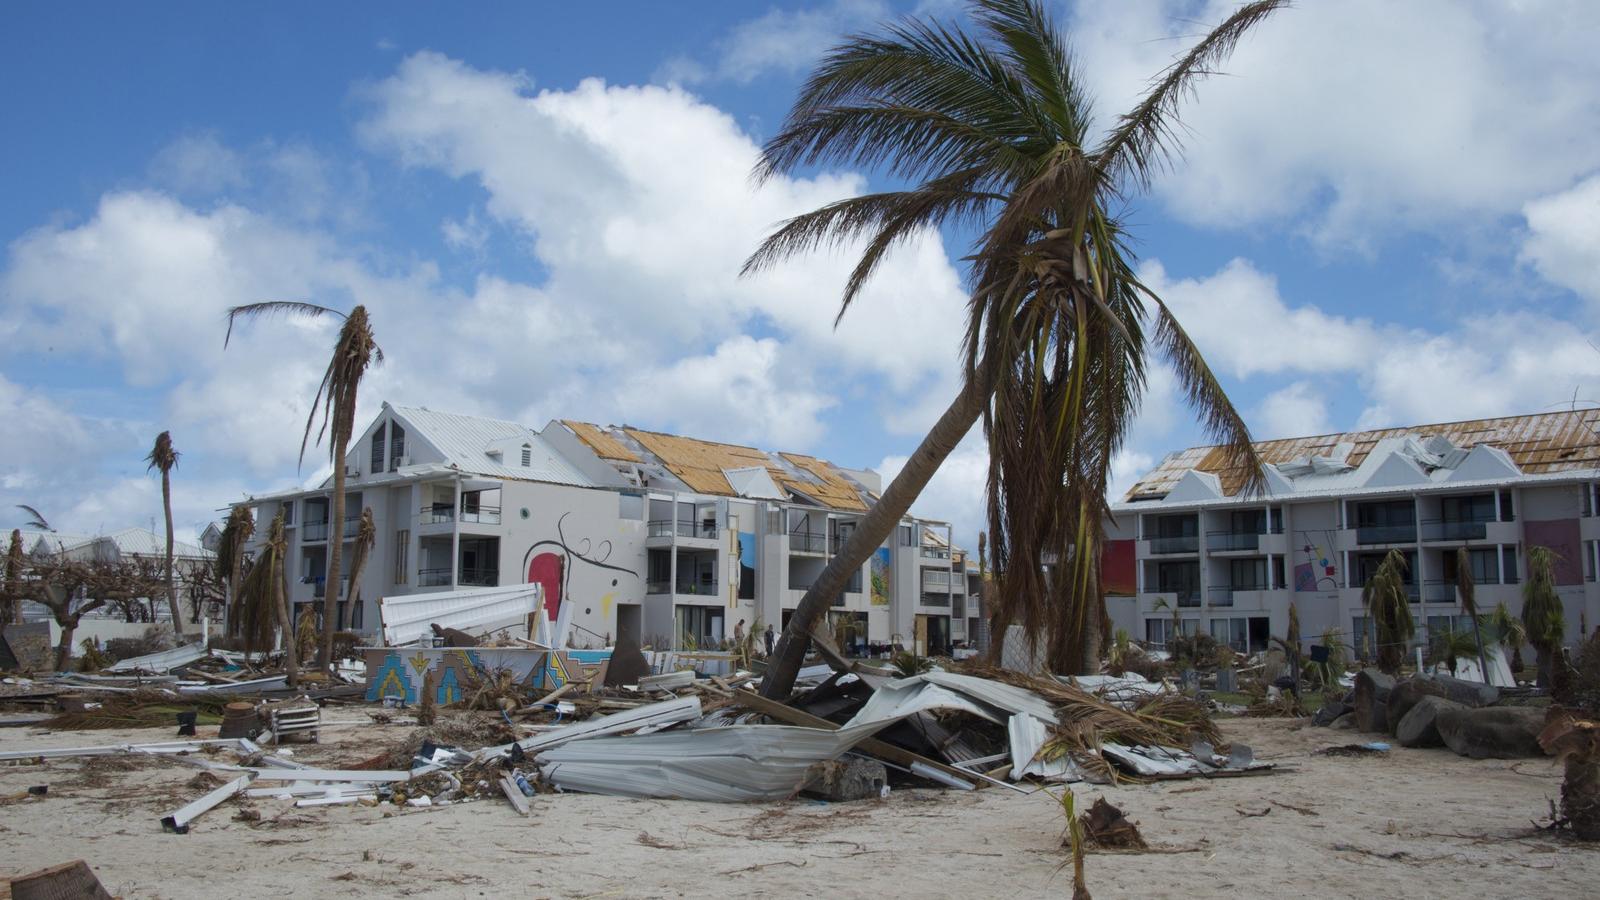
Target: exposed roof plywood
(604, 445)
(1539, 444)
(833, 490)
(699, 464)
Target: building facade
(669, 540)
(1189, 547)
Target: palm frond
(162, 457)
(268, 309)
(36, 519)
(1145, 139)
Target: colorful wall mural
(1565, 538)
(1118, 568)
(549, 563)
(1315, 568)
(399, 671)
(882, 579)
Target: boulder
(1329, 713)
(1371, 700)
(1419, 726)
(1405, 695)
(1346, 722)
(853, 778)
(1492, 732)
(1467, 693)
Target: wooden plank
(550, 697)
(873, 746)
(518, 800)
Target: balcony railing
(808, 542)
(1454, 529)
(1222, 594)
(1386, 534)
(319, 587)
(439, 513)
(935, 553)
(474, 577)
(668, 527)
(313, 531)
(936, 579)
(1183, 543)
(935, 600)
(1233, 540)
(1438, 590)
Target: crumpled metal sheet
(165, 661)
(407, 617)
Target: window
(402, 554)
(377, 450)
(1476, 508)
(1507, 513)
(527, 455)
(397, 445)
(1508, 567)
(1233, 632)
(630, 506)
(906, 539)
(1248, 574)
(288, 512)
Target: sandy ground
(1418, 823)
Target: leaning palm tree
(263, 604)
(236, 533)
(354, 352)
(1388, 604)
(991, 127)
(164, 458)
(366, 536)
(1543, 619)
(1508, 633)
(1468, 590)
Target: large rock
(1419, 726)
(1371, 700)
(842, 780)
(1407, 694)
(1493, 732)
(1467, 693)
(1346, 722)
(1329, 713)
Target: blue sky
(544, 206)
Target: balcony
(1454, 529)
(938, 582)
(475, 577)
(440, 514)
(1438, 590)
(1386, 534)
(666, 528)
(313, 531)
(1233, 540)
(935, 553)
(1183, 543)
(808, 542)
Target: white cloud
(780, 40)
(1293, 411)
(1360, 118)
(1563, 243)
(199, 163)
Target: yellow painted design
(605, 603)
(419, 664)
(391, 679)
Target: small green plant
(1449, 647)
(1074, 840)
(909, 665)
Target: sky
(1385, 214)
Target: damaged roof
(704, 466)
(1543, 443)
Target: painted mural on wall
(1315, 568)
(882, 580)
(747, 566)
(549, 563)
(1118, 568)
(399, 672)
(1565, 538)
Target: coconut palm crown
(991, 127)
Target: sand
(1417, 823)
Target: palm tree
(1575, 742)
(36, 519)
(263, 604)
(366, 536)
(354, 352)
(1449, 646)
(1543, 619)
(11, 610)
(236, 532)
(164, 458)
(1469, 605)
(991, 126)
(1388, 604)
(1509, 634)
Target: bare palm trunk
(69, 625)
(875, 528)
(172, 589)
(280, 603)
(330, 596)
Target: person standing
(738, 633)
(770, 637)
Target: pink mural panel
(1565, 538)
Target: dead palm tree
(354, 352)
(1469, 605)
(991, 126)
(164, 458)
(236, 533)
(11, 609)
(1574, 740)
(264, 602)
(1543, 618)
(366, 537)
(1388, 604)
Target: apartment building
(1187, 542)
(659, 537)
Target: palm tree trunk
(280, 594)
(69, 625)
(330, 596)
(1580, 795)
(172, 589)
(875, 528)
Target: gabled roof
(703, 466)
(130, 541)
(1539, 444)
(465, 442)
